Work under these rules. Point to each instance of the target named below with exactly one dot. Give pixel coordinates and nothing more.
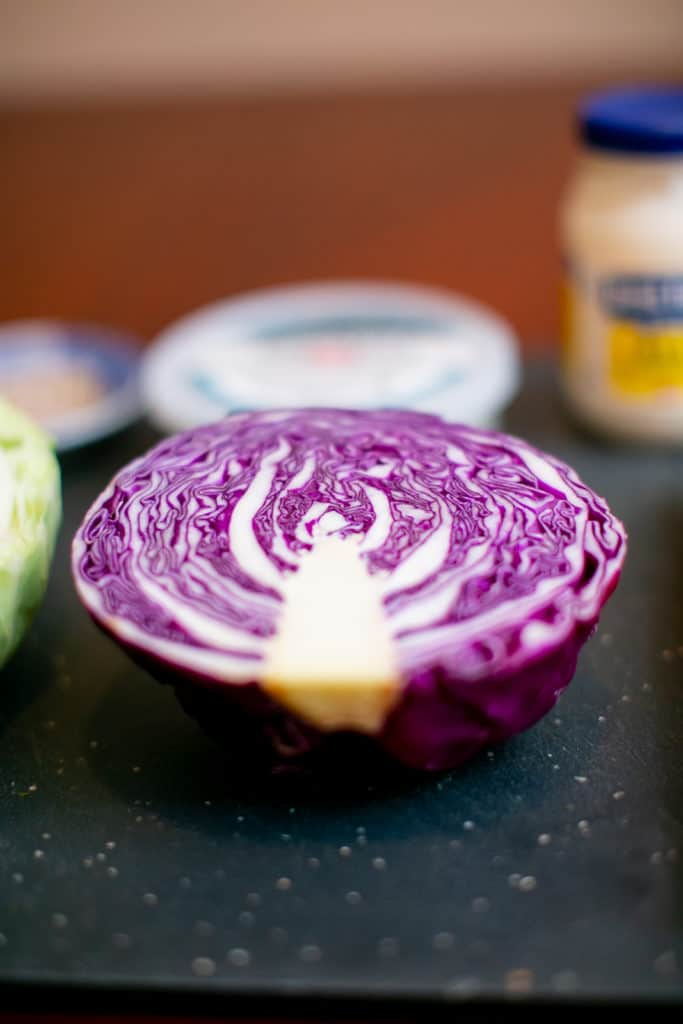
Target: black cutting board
(138, 862)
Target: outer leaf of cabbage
(30, 512)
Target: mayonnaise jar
(622, 234)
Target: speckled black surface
(136, 857)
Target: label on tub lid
(340, 344)
(79, 381)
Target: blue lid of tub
(352, 344)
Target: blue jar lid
(646, 120)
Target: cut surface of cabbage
(353, 565)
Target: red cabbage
(386, 573)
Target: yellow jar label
(645, 358)
(643, 330)
(622, 334)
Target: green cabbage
(30, 512)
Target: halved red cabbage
(386, 573)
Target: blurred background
(158, 154)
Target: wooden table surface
(133, 215)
